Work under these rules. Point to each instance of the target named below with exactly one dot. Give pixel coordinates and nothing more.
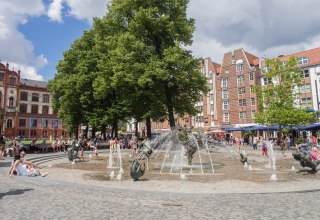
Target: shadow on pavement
(14, 192)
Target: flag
(44, 123)
(32, 120)
(55, 123)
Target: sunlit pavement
(43, 198)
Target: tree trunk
(170, 107)
(93, 132)
(85, 133)
(148, 125)
(115, 128)
(136, 128)
(103, 131)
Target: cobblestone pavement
(44, 198)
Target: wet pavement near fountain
(232, 192)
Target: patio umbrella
(216, 131)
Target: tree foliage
(132, 63)
(277, 100)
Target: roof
(33, 83)
(251, 58)
(217, 67)
(312, 54)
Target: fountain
(272, 160)
(180, 151)
(305, 160)
(111, 161)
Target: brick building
(232, 102)
(25, 107)
(236, 100)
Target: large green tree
(155, 33)
(277, 99)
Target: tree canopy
(131, 64)
(279, 99)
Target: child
(264, 148)
(314, 154)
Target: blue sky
(52, 39)
(35, 33)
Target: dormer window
(302, 60)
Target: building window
(34, 109)
(33, 133)
(45, 98)
(241, 91)
(242, 102)
(224, 82)
(225, 94)
(251, 89)
(11, 101)
(253, 112)
(226, 117)
(305, 73)
(302, 60)
(23, 96)
(1, 75)
(305, 102)
(266, 81)
(250, 76)
(9, 123)
(22, 133)
(44, 133)
(12, 80)
(225, 105)
(35, 97)
(242, 115)
(240, 79)
(22, 122)
(253, 102)
(0, 99)
(23, 108)
(239, 67)
(305, 88)
(45, 110)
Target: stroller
(73, 151)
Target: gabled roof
(217, 67)
(251, 58)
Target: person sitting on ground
(33, 146)
(13, 150)
(24, 167)
(54, 146)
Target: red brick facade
(25, 107)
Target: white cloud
(86, 9)
(264, 28)
(40, 61)
(26, 72)
(55, 10)
(15, 48)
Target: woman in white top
(24, 167)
